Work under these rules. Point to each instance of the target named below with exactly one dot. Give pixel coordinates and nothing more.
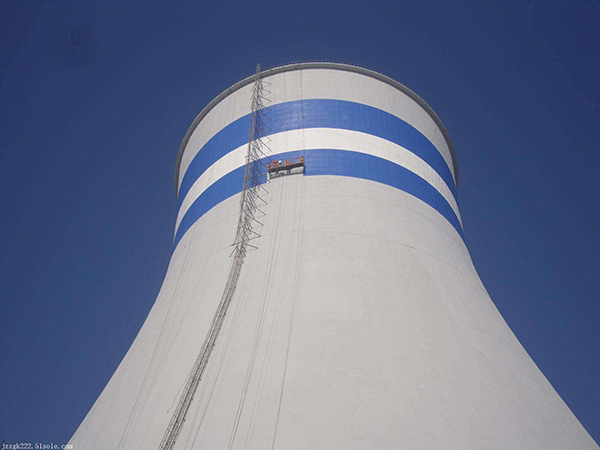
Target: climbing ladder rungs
(248, 207)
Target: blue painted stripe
(319, 113)
(327, 162)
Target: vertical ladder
(250, 202)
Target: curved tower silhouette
(357, 321)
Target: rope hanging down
(250, 202)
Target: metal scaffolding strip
(245, 232)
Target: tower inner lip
(316, 65)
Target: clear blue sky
(96, 97)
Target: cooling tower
(358, 320)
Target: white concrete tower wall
(360, 321)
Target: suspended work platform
(284, 167)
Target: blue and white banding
(330, 81)
(328, 162)
(319, 138)
(316, 125)
(320, 113)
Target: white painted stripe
(321, 138)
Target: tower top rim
(316, 65)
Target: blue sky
(95, 98)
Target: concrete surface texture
(359, 322)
